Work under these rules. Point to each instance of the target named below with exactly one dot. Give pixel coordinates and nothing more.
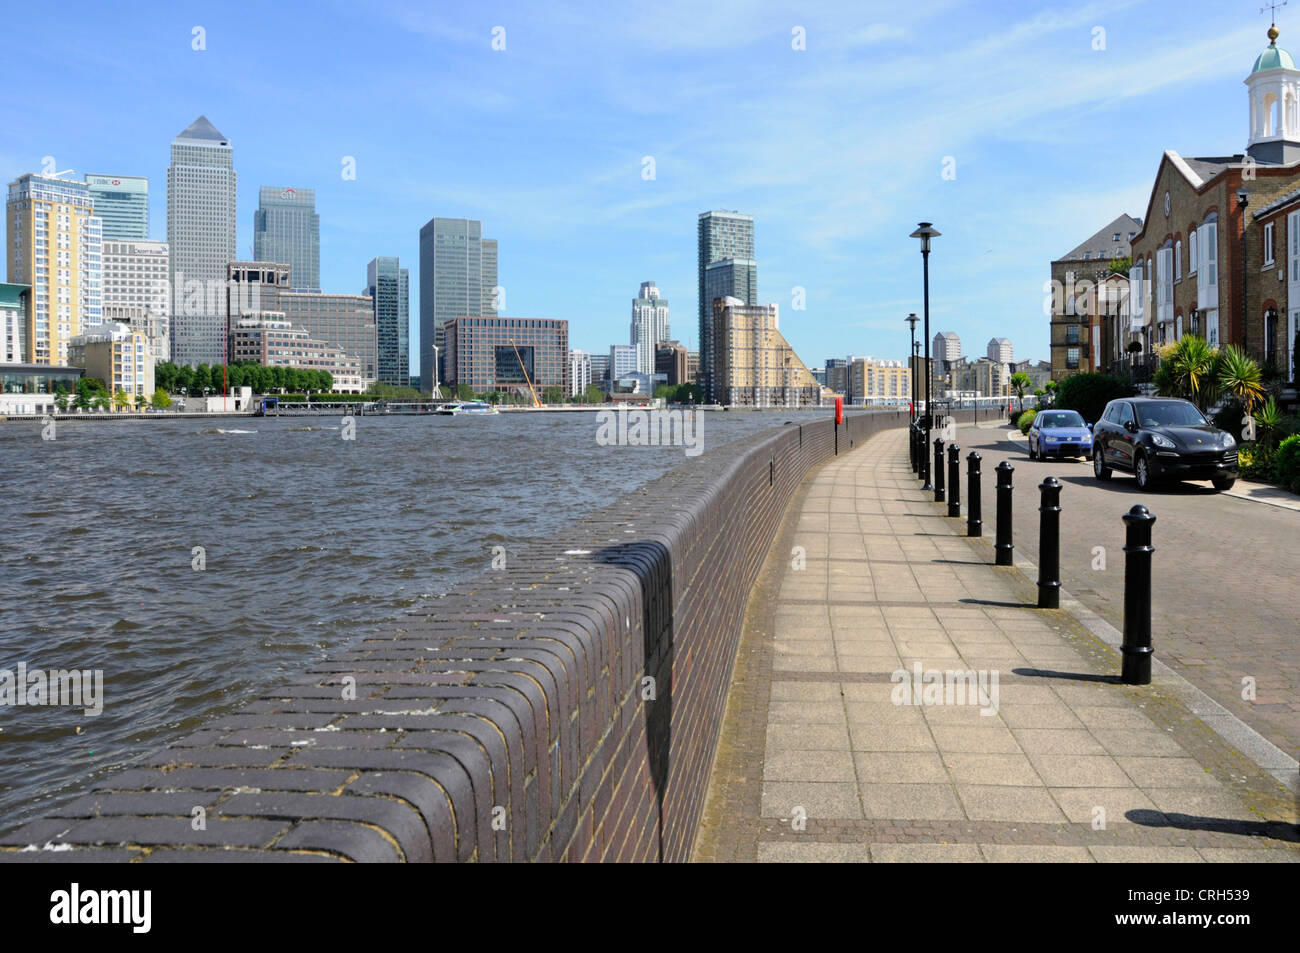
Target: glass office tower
(389, 284)
(122, 204)
(286, 228)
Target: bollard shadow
(651, 563)
(1071, 676)
(1125, 483)
(997, 604)
(1276, 830)
(961, 562)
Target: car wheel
(1222, 483)
(1032, 454)
(1142, 470)
(1099, 468)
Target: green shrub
(1026, 420)
(1287, 460)
(1257, 462)
(1089, 393)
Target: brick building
(1219, 255)
(1076, 304)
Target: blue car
(1059, 433)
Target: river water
(308, 541)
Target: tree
(1020, 382)
(1089, 393)
(121, 399)
(61, 398)
(464, 392)
(1188, 369)
(593, 395)
(553, 395)
(1051, 387)
(1238, 376)
(160, 399)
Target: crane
(536, 402)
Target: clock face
(1166, 205)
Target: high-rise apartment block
(458, 278)
(389, 285)
(55, 244)
(200, 241)
(286, 228)
(579, 372)
(121, 204)
(725, 239)
(649, 325)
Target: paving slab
(902, 700)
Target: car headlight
(1051, 439)
(1228, 441)
(1162, 441)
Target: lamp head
(925, 231)
(911, 319)
(1243, 198)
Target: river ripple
(310, 541)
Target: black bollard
(974, 525)
(1003, 547)
(911, 444)
(1136, 649)
(938, 469)
(1049, 544)
(954, 481)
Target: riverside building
(55, 246)
(506, 354)
(201, 240)
(754, 366)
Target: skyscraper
(452, 280)
(649, 325)
(55, 244)
(722, 236)
(490, 303)
(389, 284)
(200, 240)
(286, 228)
(122, 204)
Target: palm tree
(1189, 369)
(1020, 382)
(1239, 377)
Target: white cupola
(1274, 86)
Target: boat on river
(466, 407)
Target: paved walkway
(820, 762)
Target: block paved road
(1226, 579)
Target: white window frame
(1178, 260)
(1191, 252)
(1268, 244)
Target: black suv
(1162, 437)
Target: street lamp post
(911, 320)
(925, 231)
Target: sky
(591, 142)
